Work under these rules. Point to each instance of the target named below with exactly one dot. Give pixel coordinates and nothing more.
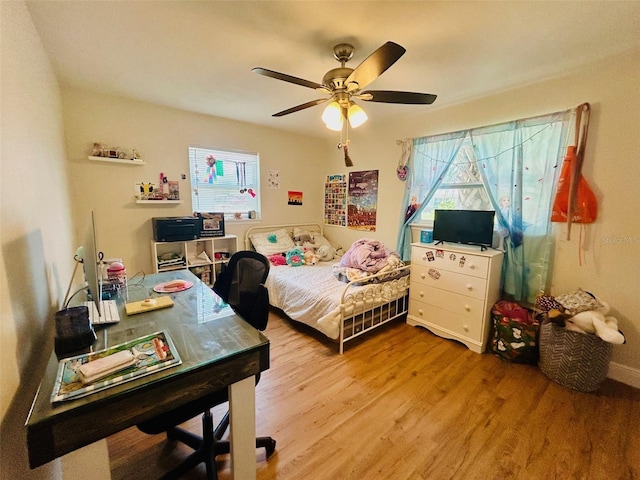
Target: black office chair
(241, 285)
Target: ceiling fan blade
(374, 65)
(288, 78)
(391, 96)
(297, 108)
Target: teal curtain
(428, 162)
(519, 163)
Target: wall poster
(362, 200)
(273, 179)
(295, 198)
(335, 200)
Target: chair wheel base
(270, 446)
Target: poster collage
(351, 200)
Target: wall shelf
(126, 161)
(159, 201)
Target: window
(462, 187)
(225, 181)
(510, 168)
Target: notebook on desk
(109, 311)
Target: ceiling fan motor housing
(334, 79)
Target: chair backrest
(241, 285)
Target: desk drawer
(467, 285)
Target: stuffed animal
(277, 259)
(596, 322)
(295, 257)
(311, 257)
(325, 252)
(302, 238)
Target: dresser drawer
(469, 307)
(446, 321)
(467, 285)
(443, 259)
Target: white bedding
(289, 291)
(312, 295)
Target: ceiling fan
(344, 84)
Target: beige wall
(163, 136)
(36, 227)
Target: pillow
(297, 231)
(270, 243)
(578, 301)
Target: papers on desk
(152, 353)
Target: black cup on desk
(73, 329)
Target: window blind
(224, 181)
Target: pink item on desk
(173, 286)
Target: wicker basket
(575, 360)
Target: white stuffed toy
(326, 253)
(596, 322)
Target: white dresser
(452, 291)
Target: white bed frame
(359, 311)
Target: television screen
(472, 227)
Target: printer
(176, 229)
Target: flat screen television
(470, 227)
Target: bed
(313, 295)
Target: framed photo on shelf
(212, 224)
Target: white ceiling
(198, 55)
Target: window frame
(426, 216)
(247, 183)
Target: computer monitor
(91, 258)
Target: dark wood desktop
(218, 350)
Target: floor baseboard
(624, 374)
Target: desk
(218, 350)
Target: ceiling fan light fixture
(343, 84)
(357, 116)
(332, 117)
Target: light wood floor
(405, 404)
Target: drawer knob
(420, 312)
(422, 276)
(465, 327)
(472, 266)
(421, 294)
(469, 287)
(467, 308)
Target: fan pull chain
(344, 145)
(347, 159)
